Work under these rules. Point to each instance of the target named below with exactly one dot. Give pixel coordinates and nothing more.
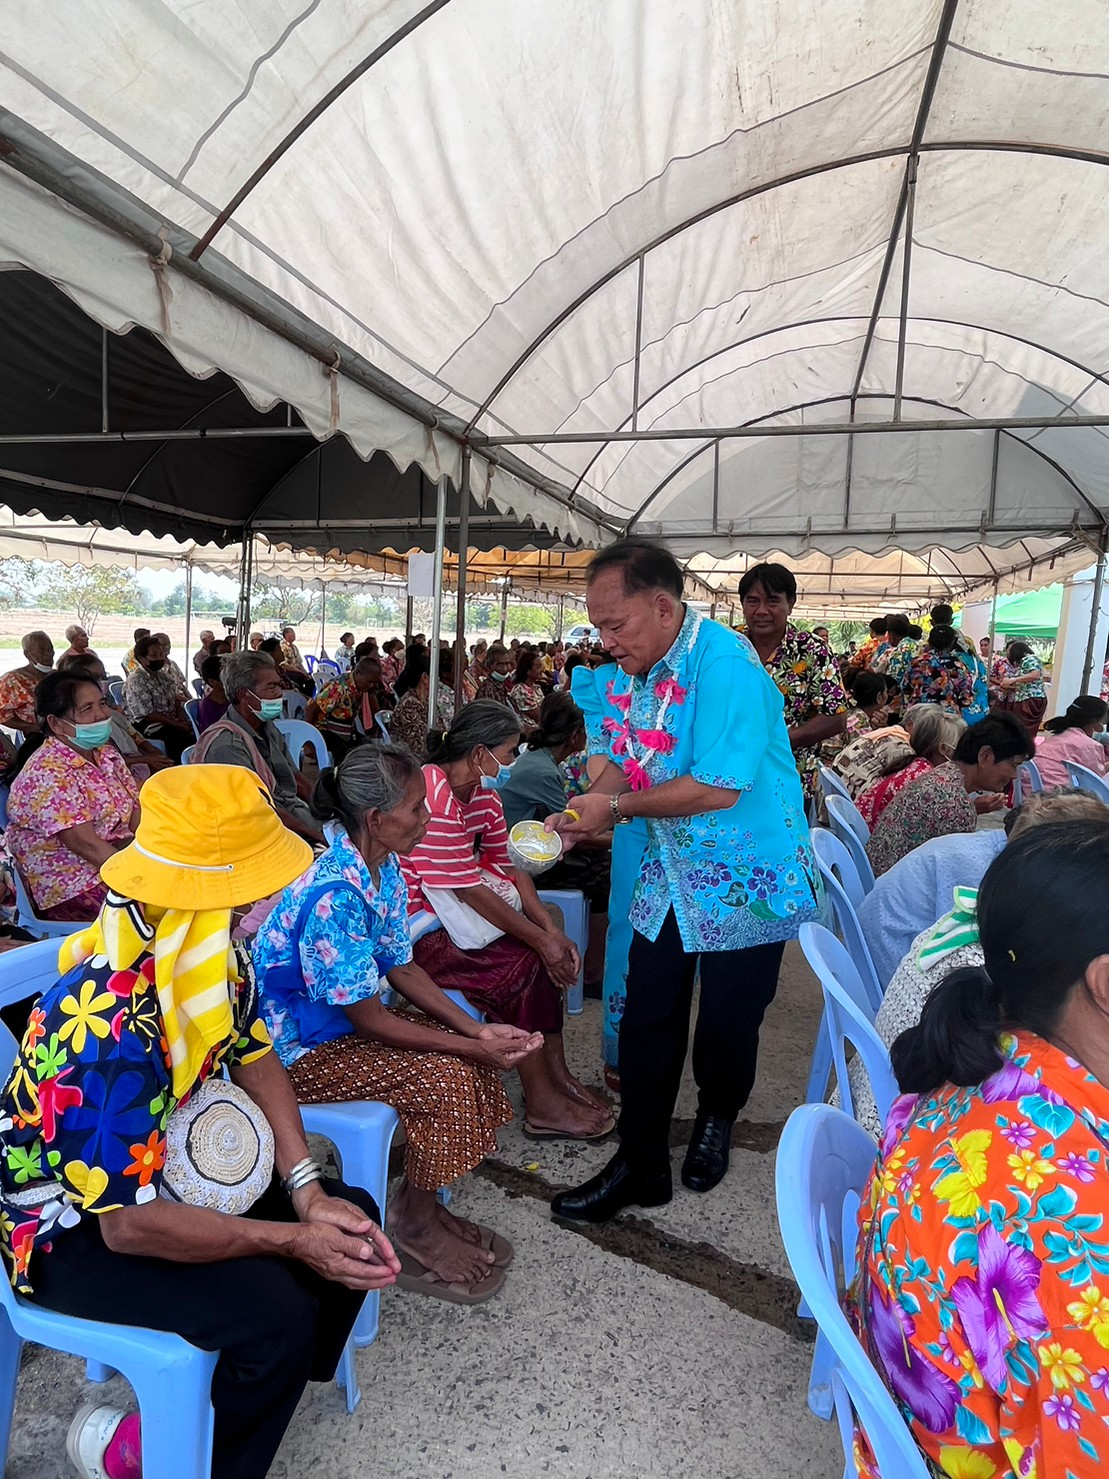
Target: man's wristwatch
(618, 818)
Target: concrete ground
(666, 1343)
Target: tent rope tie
(158, 266)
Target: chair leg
(175, 1404)
(97, 1371)
(11, 1348)
(347, 1376)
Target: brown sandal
(537, 1132)
(417, 1278)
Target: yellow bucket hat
(208, 838)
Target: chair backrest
(192, 709)
(27, 970)
(831, 785)
(823, 1164)
(849, 1016)
(187, 755)
(835, 854)
(298, 734)
(198, 687)
(846, 834)
(30, 921)
(1032, 771)
(844, 813)
(4, 790)
(382, 719)
(115, 690)
(1086, 780)
(293, 704)
(327, 669)
(851, 933)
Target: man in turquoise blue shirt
(696, 745)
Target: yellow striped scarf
(194, 969)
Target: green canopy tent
(1032, 614)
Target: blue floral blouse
(735, 878)
(351, 935)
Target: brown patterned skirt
(451, 1109)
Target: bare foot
(451, 1258)
(460, 1227)
(569, 1117)
(572, 1088)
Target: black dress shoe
(617, 1186)
(706, 1160)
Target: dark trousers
(276, 1324)
(737, 986)
(175, 740)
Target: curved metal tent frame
(589, 236)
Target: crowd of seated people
(390, 896)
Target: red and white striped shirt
(460, 840)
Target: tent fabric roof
(658, 218)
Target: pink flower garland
(668, 691)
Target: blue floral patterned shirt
(350, 937)
(735, 878)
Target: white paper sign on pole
(421, 577)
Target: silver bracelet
(301, 1175)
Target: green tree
(17, 581)
(89, 592)
(529, 621)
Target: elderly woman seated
(17, 688)
(333, 942)
(153, 699)
(409, 723)
(935, 733)
(982, 1239)
(986, 760)
(73, 802)
(478, 926)
(153, 1004)
(141, 756)
(346, 710)
(248, 736)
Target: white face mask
(43, 667)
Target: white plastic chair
(1087, 780)
(298, 734)
(293, 704)
(845, 819)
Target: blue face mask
(92, 736)
(499, 781)
(269, 708)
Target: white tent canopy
(767, 247)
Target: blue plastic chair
(1087, 780)
(574, 907)
(362, 1133)
(848, 1016)
(115, 691)
(831, 785)
(192, 709)
(836, 855)
(198, 687)
(846, 834)
(27, 918)
(187, 755)
(294, 704)
(832, 855)
(822, 1168)
(381, 719)
(850, 931)
(3, 808)
(298, 733)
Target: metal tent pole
(323, 618)
(993, 619)
(408, 622)
(436, 599)
(246, 575)
(560, 620)
(463, 558)
(188, 603)
(1099, 587)
(504, 606)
